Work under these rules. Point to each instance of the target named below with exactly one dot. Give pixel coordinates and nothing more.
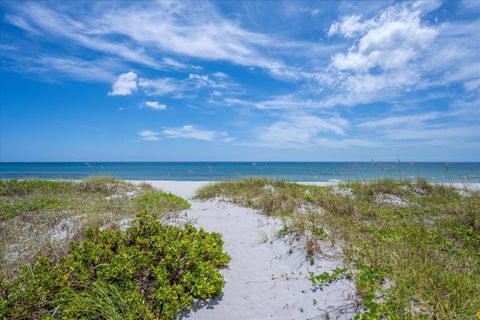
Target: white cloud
(455, 125)
(432, 134)
(203, 81)
(174, 63)
(288, 102)
(298, 130)
(395, 121)
(125, 84)
(149, 135)
(192, 132)
(220, 75)
(83, 30)
(53, 68)
(144, 33)
(155, 105)
(386, 57)
(346, 143)
(238, 102)
(389, 41)
(472, 84)
(349, 26)
(160, 86)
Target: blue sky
(245, 81)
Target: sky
(239, 81)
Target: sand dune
(265, 278)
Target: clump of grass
(275, 198)
(41, 216)
(426, 248)
(160, 202)
(12, 209)
(150, 271)
(14, 187)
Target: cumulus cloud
(383, 60)
(154, 105)
(125, 84)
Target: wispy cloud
(149, 135)
(138, 31)
(434, 134)
(129, 82)
(155, 105)
(290, 101)
(395, 121)
(193, 132)
(432, 127)
(186, 132)
(80, 29)
(52, 68)
(300, 130)
(160, 86)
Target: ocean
(212, 171)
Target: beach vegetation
(411, 247)
(160, 202)
(149, 271)
(43, 216)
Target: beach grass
(411, 247)
(41, 216)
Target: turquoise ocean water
(198, 171)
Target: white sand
(263, 280)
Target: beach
(264, 279)
(210, 160)
(305, 250)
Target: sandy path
(265, 279)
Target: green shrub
(149, 271)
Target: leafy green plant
(150, 271)
(368, 282)
(326, 278)
(319, 232)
